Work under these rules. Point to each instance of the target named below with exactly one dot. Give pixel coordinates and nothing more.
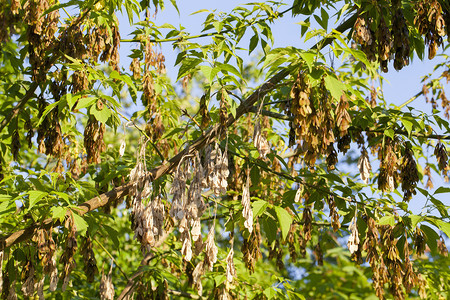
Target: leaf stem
(112, 257)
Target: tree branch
(168, 166)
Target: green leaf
(415, 220)
(259, 207)
(85, 102)
(444, 226)
(389, 133)
(270, 292)
(188, 66)
(335, 87)
(101, 115)
(309, 57)
(270, 228)
(253, 43)
(285, 220)
(431, 237)
(80, 224)
(59, 212)
(113, 235)
(233, 106)
(387, 220)
(230, 69)
(441, 190)
(206, 71)
(35, 196)
(408, 126)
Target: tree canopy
(259, 172)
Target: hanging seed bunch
(305, 235)
(364, 166)
(277, 252)
(260, 141)
(223, 108)
(334, 216)
(67, 258)
(135, 68)
(247, 211)
(178, 190)
(442, 157)
(387, 267)
(251, 248)
(388, 177)
(353, 240)
(364, 36)
(419, 241)
(147, 220)
(155, 128)
(391, 259)
(153, 62)
(28, 279)
(410, 278)
(401, 37)
(374, 258)
(15, 144)
(430, 23)
(211, 250)
(46, 253)
(107, 286)
(231, 269)
(40, 35)
(216, 169)
(385, 43)
(187, 208)
(9, 16)
(409, 176)
(442, 248)
(311, 108)
(427, 172)
(195, 206)
(197, 275)
(93, 140)
(90, 264)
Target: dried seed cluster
(250, 248)
(430, 23)
(93, 140)
(379, 42)
(106, 286)
(353, 240)
(364, 166)
(313, 120)
(147, 219)
(247, 211)
(409, 175)
(90, 264)
(388, 177)
(260, 141)
(67, 258)
(387, 267)
(40, 34)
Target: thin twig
(145, 134)
(185, 38)
(112, 257)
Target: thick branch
(168, 166)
